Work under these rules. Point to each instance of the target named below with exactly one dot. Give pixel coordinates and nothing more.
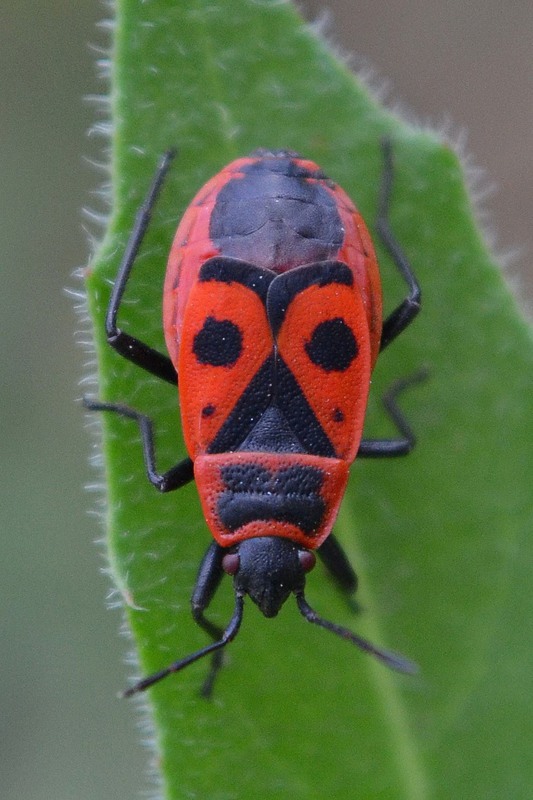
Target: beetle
(272, 317)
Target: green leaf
(440, 540)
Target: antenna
(392, 660)
(229, 634)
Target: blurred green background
(63, 733)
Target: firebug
(272, 315)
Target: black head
(268, 569)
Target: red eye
(307, 560)
(230, 563)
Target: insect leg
(177, 476)
(207, 582)
(404, 314)
(336, 562)
(388, 448)
(128, 346)
(228, 635)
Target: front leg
(128, 346)
(207, 582)
(404, 314)
(336, 562)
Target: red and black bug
(273, 323)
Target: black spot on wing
(332, 346)
(218, 343)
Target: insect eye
(231, 563)
(307, 560)
(218, 343)
(332, 346)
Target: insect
(272, 316)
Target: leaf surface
(441, 540)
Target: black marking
(272, 434)
(218, 343)
(208, 410)
(278, 216)
(290, 494)
(338, 415)
(286, 162)
(273, 414)
(247, 412)
(229, 270)
(285, 287)
(280, 152)
(273, 386)
(332, 346)
(293, 405)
